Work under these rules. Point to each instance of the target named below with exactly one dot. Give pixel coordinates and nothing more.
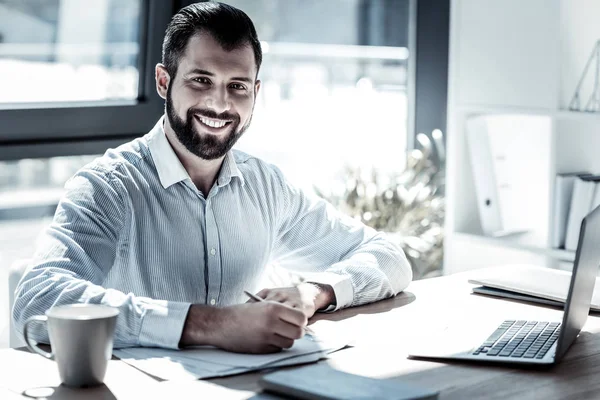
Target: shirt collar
(229, 169)
(169, 168)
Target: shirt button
(213, 251)
(213, 302)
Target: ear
(256, 88)
(162, 80)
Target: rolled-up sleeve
(361, 264)
(74, 256)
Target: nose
(218, 101)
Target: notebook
(507, 294)
(325, 383)
(529, 283)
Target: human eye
(237, 86)
(202, 79)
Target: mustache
(212, 114)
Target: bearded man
(174, 226)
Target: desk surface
(384, 332)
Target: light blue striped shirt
(132, 231)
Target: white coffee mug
(81, 337)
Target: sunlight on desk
(385, 333)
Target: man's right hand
(264, 327)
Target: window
(69, 51)
(32, 187)
(78, 76)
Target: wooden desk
(384, 331)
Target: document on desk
(529, 283)
(207, 362)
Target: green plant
(408, 205)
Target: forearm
(324, 296)
(376, 271)
(373, 271)
(141, 322)
(200, 326)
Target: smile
(213, 123)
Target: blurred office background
(347, 87)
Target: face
(210, 102)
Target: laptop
(526, 342)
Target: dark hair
(230, 27)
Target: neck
(202, 172)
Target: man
(171, 228)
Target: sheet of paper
(309, 358)
(224, 358)
(171, 368)
(205, 362)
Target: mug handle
(33, 347)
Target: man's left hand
(307, 297)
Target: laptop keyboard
(520, 339)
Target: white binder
(506, 173)
(581, 204)
(563, 193)
(480, 152)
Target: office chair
(17, 270)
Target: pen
(255, 297)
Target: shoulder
(115, 165)
(256, 170)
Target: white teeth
(212, 124)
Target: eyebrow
(200, 71)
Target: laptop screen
(583, 279)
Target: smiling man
(171, 228)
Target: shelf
(582, 116)
(501, 109)
(525, 242)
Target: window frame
(429, 40)
(39, 132)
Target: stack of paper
(207, 362)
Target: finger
(308, 311)
(282, 342)
(264, 293)
(287, 330)
(293, 304)
(273, 349)
(277, 296)
(265, 349)
(293, 316)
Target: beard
(205, 146)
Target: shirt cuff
(162, 324)
(341, 284)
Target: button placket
(213, 261)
